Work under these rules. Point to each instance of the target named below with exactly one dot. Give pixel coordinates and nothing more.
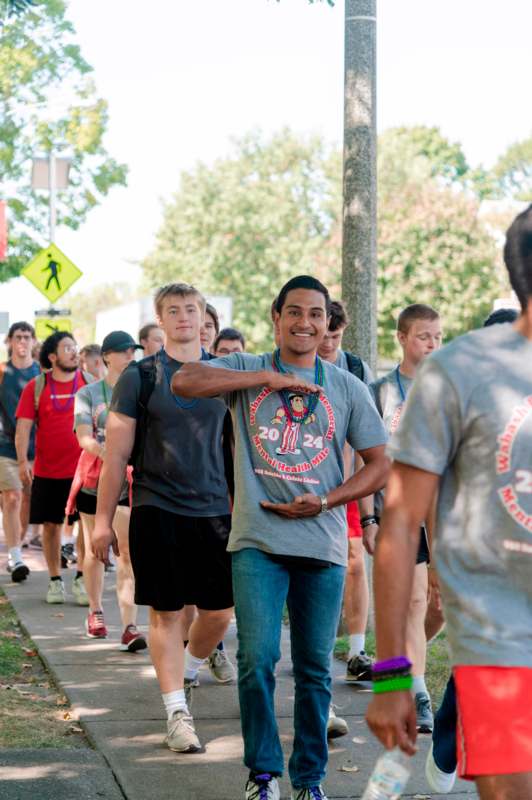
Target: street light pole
(52, 188)
(359, 246)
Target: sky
(184, 77)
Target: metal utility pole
(52, 188)
(359, 247)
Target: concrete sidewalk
(116, 698)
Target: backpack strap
(355, 365)
(40, 383)
(147, 369)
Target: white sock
(174, 701)
(357, 643)
(419, 685)
(15, 554)
(192, 665)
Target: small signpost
(52, 273)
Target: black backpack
(147, 368)
(355, 365)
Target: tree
(250, 222)
(273, 209)
(38, 60)
(513, 171)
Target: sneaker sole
(20, 573)
(191, 749)
(134, 646)
(424, 728)
(83, 603)
(356, 679)
(56, 601)
(222, 680)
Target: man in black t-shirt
(180, 518)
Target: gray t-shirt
(277, 460)
(468, 418)
(341, 361)
(91, 407)
(183, 466)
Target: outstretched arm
(200, 380)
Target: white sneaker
(439, 781)
(336, 726)
(56, 592)
(262, 787)
(221, 668)
(312, 793)
(79, 591)
(182, 737)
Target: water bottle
(389, 777)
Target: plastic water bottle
(389, 777)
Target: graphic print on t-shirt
(515, 483)
(292, 446)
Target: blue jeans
(261, 587)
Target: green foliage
(11, 8)
(40, 63)
(273, 210)
(250, 222)
(513, 171)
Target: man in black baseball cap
(118, 342)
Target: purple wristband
(391, 664)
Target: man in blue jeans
(292, 414)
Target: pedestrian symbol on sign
(54, 268)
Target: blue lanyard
(180, 402)
(400, 384)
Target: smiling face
(422, 338)
(181, 317)
(302, 323)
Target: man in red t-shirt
(48, 402)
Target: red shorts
(354, 528)
(494, 730)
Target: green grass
(438, 664)
(32, 711)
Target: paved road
(115, 696)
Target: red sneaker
(95, 625)
(133, 640)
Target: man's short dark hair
(414, 312)
(91, 350)
(339, 318)
(21, 326)
(501, 315)
(50, 346)
(518, 256)
(214, 314)
(145, 330)
(303, 282)
(230, 335)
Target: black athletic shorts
(180, 560)
(86, 503)
(48, 500)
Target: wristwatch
(324, 504)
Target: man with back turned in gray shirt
(466, 433)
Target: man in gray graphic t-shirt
(292, 414)
(467, 431)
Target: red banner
(3, 231)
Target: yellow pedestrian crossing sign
(51, 272)
(45, 326)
